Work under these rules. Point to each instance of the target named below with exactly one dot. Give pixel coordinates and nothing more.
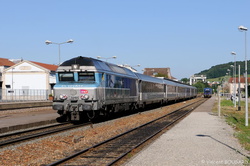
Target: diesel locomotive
(207, 92)
(88, 87)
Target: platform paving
(200, 139)
(22, 120)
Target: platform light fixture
(126, 65)
(113, 57)
(139, 65)
(244, 29)
(130, 67)
(59, 44)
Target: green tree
(185, 80)
(221, 69)
(200, 86)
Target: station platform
(202, 138)
(17, 119)
(25, 104)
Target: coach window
(86, 76)
(66, 76)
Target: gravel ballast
(200, 139)
(49, 149)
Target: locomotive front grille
(80, 107)
(74, 98)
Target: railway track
(21, 136)
(114, 149)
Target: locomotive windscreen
(86, 76)
(66, 76)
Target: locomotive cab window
(86, 76)
(66, 76)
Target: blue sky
(186, 35)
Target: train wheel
(162, 103)
(106, 112)
(91, 115)
(62, 118)
(133, 107)
(142, 107)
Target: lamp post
(239, 91)
(242, 28)
(233, 97)
(59, 44)
(113, 57)
(224, 87)
(229, 72)
(234, 78)
(223, 83)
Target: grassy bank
(237, 120)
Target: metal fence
(17, 95)
(226, 95)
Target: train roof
(91, 64)
(169, 82)
(149, 78)
(177, 83)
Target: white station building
(27, 80)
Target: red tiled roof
(47, 66)
(6, 62)
(242, 80)
(165, 71)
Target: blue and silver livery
(88, 87)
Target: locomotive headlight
(75, 66)
(63, 96)
(84, 97)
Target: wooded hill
(221, 70)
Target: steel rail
(157, 132)
(44, 133)
(129, 131)
(30, 130)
